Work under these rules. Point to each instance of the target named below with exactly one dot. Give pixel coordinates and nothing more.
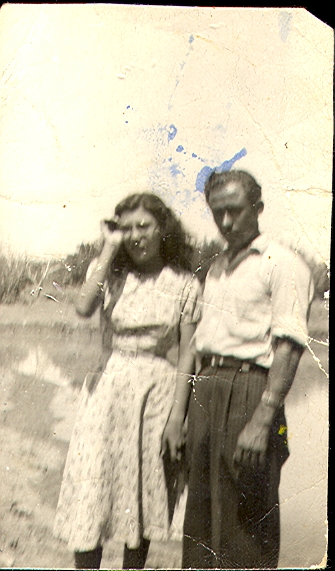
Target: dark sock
(136, 558)
(88, 559)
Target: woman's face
(141, 236)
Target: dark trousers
(232, 516)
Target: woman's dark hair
(176, 249)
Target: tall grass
(16, 274)
(23, 279)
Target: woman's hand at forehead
(111, 237)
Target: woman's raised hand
(113, 237)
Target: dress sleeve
(191, 302)
(291, 286)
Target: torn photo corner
(101, 102)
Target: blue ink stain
(191, 39)
(224, 167)
(170, 159)
(126, 121)
(172, 132)
(175, 171)
(284, 25)
(180, 148)
(227, 165)
(202, 177)
(194, 155)
(128, 107)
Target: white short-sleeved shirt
(265, 293)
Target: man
(250, 339)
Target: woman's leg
(136, 558)
(88, 559)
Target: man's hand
(252, 443)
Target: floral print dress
(114, 483)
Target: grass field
(45, 352)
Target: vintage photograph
(165, 225)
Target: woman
(114, 483)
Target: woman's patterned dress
(114, 483)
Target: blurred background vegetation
(24, 280)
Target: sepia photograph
(165, 234)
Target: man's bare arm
(253, 440)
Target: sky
(102, 100)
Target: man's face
(234, 215)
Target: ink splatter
(175, 170)
(172, 132)
(225, 166)
(180, 148)
(202, 177)
(191, 39)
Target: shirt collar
(258, 246)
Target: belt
(213, 360)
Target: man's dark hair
(251, 187)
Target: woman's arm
(173, 435)
(91, 290)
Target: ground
(45, 353)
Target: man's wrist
(271, 399)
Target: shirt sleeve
(191, 302)
(317, 265)
(291, 289)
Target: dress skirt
(114, 483)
